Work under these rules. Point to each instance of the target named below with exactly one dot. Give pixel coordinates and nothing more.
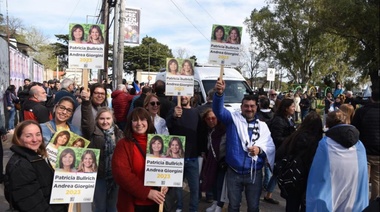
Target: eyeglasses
(155, 103)
(273, 94)
(211, 118)
(101, 94)
(62, 108)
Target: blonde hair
(349, 111)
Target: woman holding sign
(63, 112)
(128, 166)
(103, 134)
(29, 177)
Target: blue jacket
(236, 157)
(48, 134)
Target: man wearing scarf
(248, 145)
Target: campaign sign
(64, 138)
(164, 160)
(86, 46)
(225, 45)
(75, 175)
(179, 77)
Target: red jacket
(131, 184)
(34, 110)
(121, 102)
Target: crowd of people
(241, 150)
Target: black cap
(51, 81)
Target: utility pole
(105, 21)
(118, 47)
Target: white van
(205, 79)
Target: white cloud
(160, 19)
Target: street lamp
(90, 16)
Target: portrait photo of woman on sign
(218, 34)
(61, 139)
(156, 146)
(175, 148)
(67, 160)
(172, 67)
(88, 162)
(187, 68)
(77, 34)
(233, 36)
(95, 35)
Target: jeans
(191, 173)
(238, 183)
(304, 114)
(267, 175)
(272, 184)
(103, 202)
(374, 174)
(11, 120)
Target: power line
(69, 17)
(189, 20)
(206, 11)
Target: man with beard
(184, 121)
(248, 146)
(34, 107)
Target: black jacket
(366, 120)
(29, 180)
(280, 129)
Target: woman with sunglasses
(152, 105)
(63, 111)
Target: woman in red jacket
(128, 166)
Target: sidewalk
(264, 206)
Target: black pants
(146, 208)
(295, 201)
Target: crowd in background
(117, 122)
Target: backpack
(291, 173)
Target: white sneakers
(212, 208)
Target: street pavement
(203, 204)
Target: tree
(289, 36)
(13, 26)
(356, 21)
(182, 53)
(251, 60)
(138, 57)
(60, 49)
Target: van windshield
(234, 92)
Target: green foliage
(138, 56)
(357, 21)
(320, 40)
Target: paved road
(264, 207)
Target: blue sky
(165, 20)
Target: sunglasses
(155, 103)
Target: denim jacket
(48, 133)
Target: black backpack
(291, 173)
